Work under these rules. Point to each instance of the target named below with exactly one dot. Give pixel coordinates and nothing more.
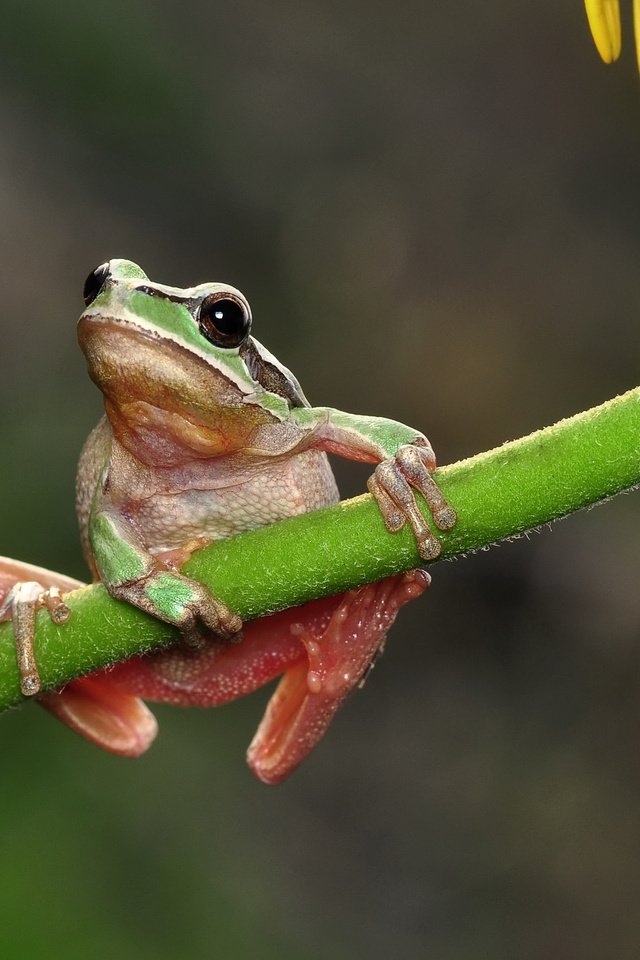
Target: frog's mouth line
(103, 336)
(130, 327)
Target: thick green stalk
(498, 494)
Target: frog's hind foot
(21, 605)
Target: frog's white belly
(297, 485)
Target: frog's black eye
(95, 282)
(224, 320)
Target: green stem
(498, 494)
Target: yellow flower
(604, 20)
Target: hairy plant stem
(498, 494)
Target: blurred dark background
(434, 210)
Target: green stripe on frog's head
(211, 321)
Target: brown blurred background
(434, 210)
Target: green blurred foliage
(434, 211)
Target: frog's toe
(101, 713)
(446, 518)
(393, 484)
(57, 609)
(215, 615)
(394, 518)
(429, 547)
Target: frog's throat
(162, 437)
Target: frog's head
(180, 373)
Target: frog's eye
(224, 320)
(95, 282)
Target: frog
(206, 435)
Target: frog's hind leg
(108, 717)
(324, 649)
(337, 660)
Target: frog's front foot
(20, 605)
(391, 486)
(186, 604)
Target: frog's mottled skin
(211, 498)
(202, 440)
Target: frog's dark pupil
(225, 322)
(95, 282)
(228, 316)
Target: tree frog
(206, 434)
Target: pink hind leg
(324, 649)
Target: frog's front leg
(20, 600)
(94, 708)
(405, 462)
(20, 606)
(131, 573)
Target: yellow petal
(636, 27)
(604, 20)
